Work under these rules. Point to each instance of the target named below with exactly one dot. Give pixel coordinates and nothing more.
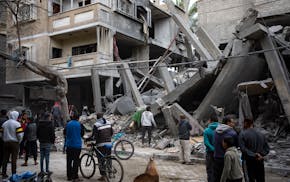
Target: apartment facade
(219, 17)
(74, 35)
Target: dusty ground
(169, 171)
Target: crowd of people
(223, 162)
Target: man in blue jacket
(208, 137)
(74, 132)
(226, 129)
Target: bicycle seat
(108, 146)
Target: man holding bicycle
(102, 133)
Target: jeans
(105, 151)
(209, 166)
(10, 148)
(149, 130)
(72, 162)
(44, 154)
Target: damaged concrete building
(74, 36)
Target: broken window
(84, 2)
(85, 49)
(56, 53)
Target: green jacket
(232, 167)
(137, 117)
(208, 136)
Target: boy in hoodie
(147, 121)
(12, 136)
(208, 137)
(223, 130)
(232, 171)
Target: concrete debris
(150, 96)
(123, 105)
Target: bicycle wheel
(87, 166)
(114, 169)
(124, 149)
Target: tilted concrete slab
(235, 71)
(254, 32)
(278, 73)
(152, 79)
(166, 77)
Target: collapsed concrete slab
(235, 71)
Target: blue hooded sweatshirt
(74, 132)
(221, 132)
(208, 136)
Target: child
(232, 171)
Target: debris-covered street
(201, 86)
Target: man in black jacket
(46, 137)
(102, 132)
(254, 147)
(184, 134)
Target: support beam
(208, 43)
(131, 82)
(177, 110)
(166, 77)
(153, 80)
(278, 73)
(96, 90)
(170, 121)
(109, 87)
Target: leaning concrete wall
(219, 17)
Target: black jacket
(45, 132)
(102, 131)
(184, 130)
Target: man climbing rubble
(147, 120)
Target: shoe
(24, 164)
(183, 162)
(102, 179)
(35, 163)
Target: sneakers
(35, 163)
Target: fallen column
(96, 90)
(165, 75)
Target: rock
(123, 106)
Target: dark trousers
(11, 148)
(256, 171)
(105, 151)
(31, 149)
(1, 152)
(209, 166)
(72, 162)
(149, 130)
(218, 169)
(21, 148)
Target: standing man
(46, 137)
(226, 129)
(208, 137)
(30, 138)
(254, 147)
(184, 134)
(147, 120)
(56, 115)
(102, 133)
(74, 132)
(3, 118)
(12, 136)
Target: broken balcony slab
(256, 87)
(179, 91)
(254, 32)
(235, 71)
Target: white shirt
(147, 119)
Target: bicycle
(123, 149)
(112, 166)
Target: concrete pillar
(166, 77)
(109, 86)
(96, 85)
(142, 53)
(170, 121)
